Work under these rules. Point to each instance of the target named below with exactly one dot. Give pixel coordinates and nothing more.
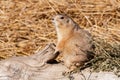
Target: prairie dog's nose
(52, 18)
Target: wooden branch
(35, 67)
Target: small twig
(83, 76)
(51, 6)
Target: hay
(25, 27)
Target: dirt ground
(26, 27)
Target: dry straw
(25, 27)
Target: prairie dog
(73, 43)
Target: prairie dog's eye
(62, 17)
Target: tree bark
(36, 67)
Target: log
(41, 66)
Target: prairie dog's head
(64, 25)
(62, 21)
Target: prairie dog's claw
(56, 53)
(67, 72)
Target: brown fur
(73, 42)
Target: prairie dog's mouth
(53, 21)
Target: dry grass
(25, 27)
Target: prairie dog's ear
(76, 27)
(68, 21)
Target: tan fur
(73, 42)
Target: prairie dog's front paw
(56, 53)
